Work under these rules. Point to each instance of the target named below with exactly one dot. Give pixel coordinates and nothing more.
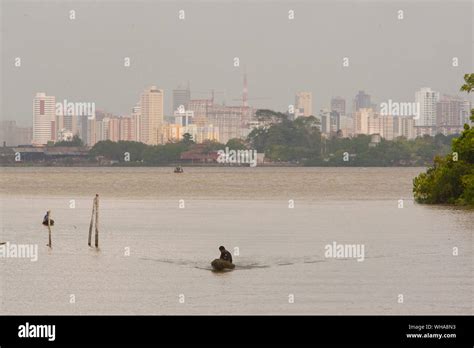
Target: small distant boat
(178, 170)
(222, 265)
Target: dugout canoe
(222, 265)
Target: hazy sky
(82, 59)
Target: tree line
(296, 142)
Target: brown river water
(159, 231)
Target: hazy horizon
(82, 59)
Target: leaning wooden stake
(97, 221)
(92, 222)
(50, 244)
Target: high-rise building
(427, 100)
(361, 101)
(334, 121)
(137, 118)
(44, 119)
(151, 103)
(183, 118)
(68, 122)
(83, 128)
(59, 123)
(114, 129)
(181, 96)
(228, 120)
(105, 128)
(382, 125)
(466, 112)
(13, 135)
(338, 104)
(100, 131)
(7, 132)
(323, 118)
(450, 115)
(330, 121)
(368, 122)
(172, 132)
(208, 133)
(127, 129)
(361, 120)
(117, 128)
(303, 104)
(200, 107)
(404, 126)
(91, 132)
(347, 126)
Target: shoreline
(200, 165)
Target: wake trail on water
(239, 265)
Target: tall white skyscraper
(137, 118)
(303, 104)
(44, 117)
(427, 100)
(361, 120)
(151, 103)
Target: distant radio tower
(245, 91)
(244, 116)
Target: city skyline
(350, 102)
(206, 119)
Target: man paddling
(225, 255)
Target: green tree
(187, 139)
(451, 179)
(163, 154)
(236, 144)
(75, 141)
(117, 150)
(211, 146)
(285, 140)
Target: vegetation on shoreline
(310, 150)
(451, 179)
(75, 141)
(300, 142)
(296, 142)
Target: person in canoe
(224, 262)
(46, 217)
(225, 255)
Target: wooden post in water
(97, 220)
(50, 244)
(92, 223)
